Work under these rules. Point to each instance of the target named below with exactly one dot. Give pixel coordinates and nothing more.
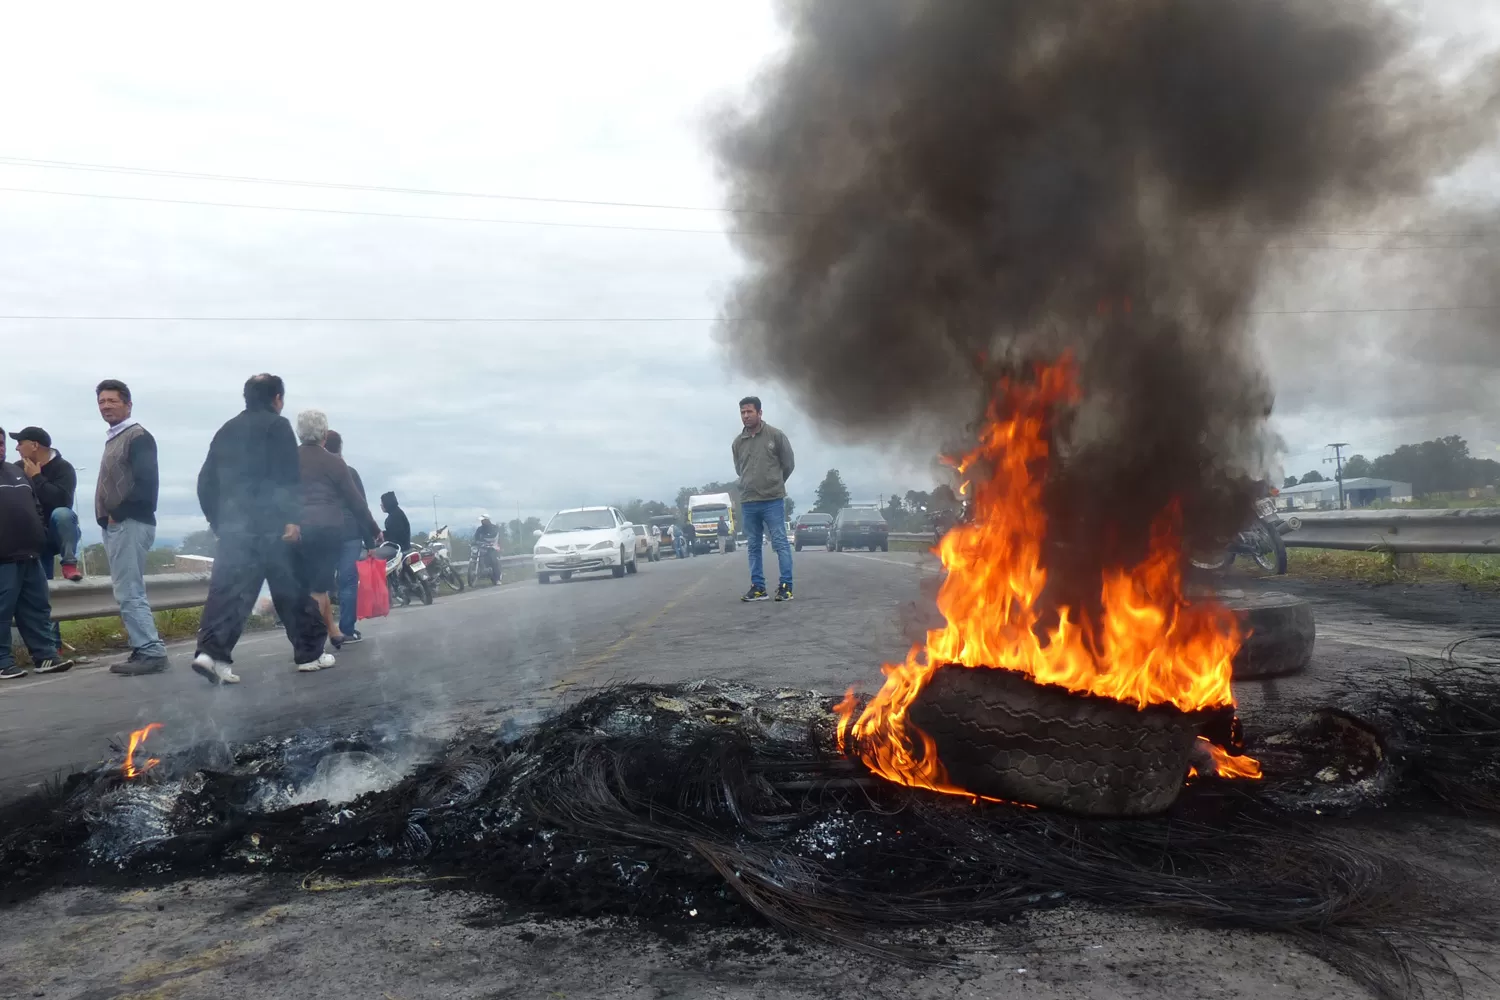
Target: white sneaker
(325, 661)
(213, 671)
(310, 666)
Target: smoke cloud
(945, 189)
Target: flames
(136, 739)
(1150, 646)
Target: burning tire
(1001, 735)
(1281, 634)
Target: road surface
(523, 648)
(517, 648)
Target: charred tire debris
(715, 804)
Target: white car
(647, 543)
(584, 540)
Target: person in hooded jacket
(250, 491)
(397, 527)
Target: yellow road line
(572, 678)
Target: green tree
(1442, 465)
(832, 495)
(1357, 467)
(895, 513)
(1313, 477)
(1289, 483)
(791, 508)
(199, 543)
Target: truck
(704, 512)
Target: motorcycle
(1261, 541)
(484, 560)
(439, 566)
(406, 574)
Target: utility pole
(1338, 458)
(434, 514)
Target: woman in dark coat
(328, 491)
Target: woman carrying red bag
(374, 593)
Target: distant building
(1358, 492)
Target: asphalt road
(485, 653)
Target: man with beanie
(125, 507)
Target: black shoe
(139, 664)
(756, 594)
(352, 636)
(53, 666)
(11, 672)
(784, 592)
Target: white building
(1358, 492)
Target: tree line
(1442, 465)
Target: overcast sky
(595, 101)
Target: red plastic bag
(374, 595)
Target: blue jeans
(348, 572)
(126, 543)
(679, 546)
(767, 517)
(24, 600)
(62, 539)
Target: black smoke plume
(946, 189)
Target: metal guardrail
(1474, 530)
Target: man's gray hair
(311, 426)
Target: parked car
(859, 527)
(646, 544)
(584, 540)
(811, 529)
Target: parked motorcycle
(484, 560)
(406, 574)
(1261, 541)
(439, 565)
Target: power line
(22, 161)
(1354, 311)
(379, 215)
(45, 164)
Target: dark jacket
(356, 526)
(251, 481)
(723, 527)
(328, 492)
(397, 527)
(486, 534)
(54, 484)
(22, 536)
(132, 495)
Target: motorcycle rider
(397, 527)
(485, 537)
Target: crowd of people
(287, 511)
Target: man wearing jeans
(125, 507)
(763, 459)
(54, 482)
(356, 540)
(23, 587)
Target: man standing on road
(250, 490)
(23, 586)
(355, 539)
(125, 507)
(763, 459)
(723, 535)
(397, 526)
(54, 481)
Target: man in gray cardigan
(125, 507)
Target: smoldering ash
(941, 191)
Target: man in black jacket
(356, 538)
(23, 586)
(397, 527)
(249, 489)
(54, 481)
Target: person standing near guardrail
(763, 460)
(23, 585)
(54, 481)
(250, 491)
(125, 507)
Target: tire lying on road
(1001, 735)
(1281, 634)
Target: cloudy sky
(574, 104)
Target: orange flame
(1227, 766)
(1151, 646)
(136, 739)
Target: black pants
(242, 563)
